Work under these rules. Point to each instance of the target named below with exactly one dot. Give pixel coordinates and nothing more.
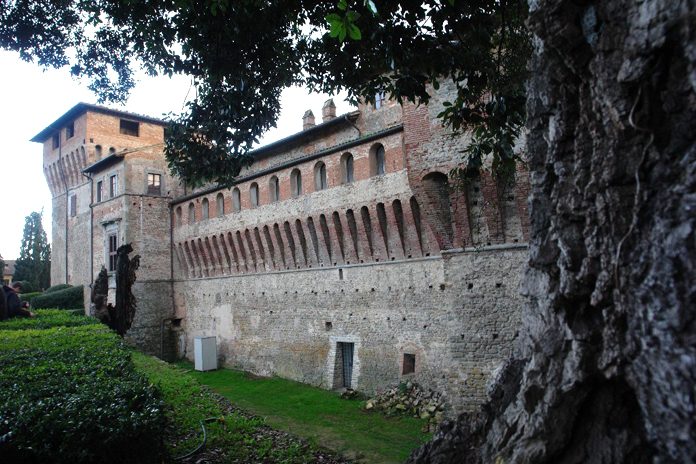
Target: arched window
(191, 213)
(320, 176)
(236, 200)
(296, 182)
(178, 216)
(205, 209)
(220, 203)
(254, 194)
(274, 189)
(98, 151)
(377, 160)
(347, 168)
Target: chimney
(308, 120)
(328, 111)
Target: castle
(342, 257)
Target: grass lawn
(319, 415)
(233, 438)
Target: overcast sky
(31, 98)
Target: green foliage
(27, 286)
(319, 414)
(69, 298)
(34, 262)
(55, 288)
(47, 318)
(237, 435)
(241, 55)
(28, 296)
(69, 394)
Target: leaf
(354, 32)
(342, 5)
(333, 19)
(352, 16)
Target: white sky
(31, 98)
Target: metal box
(205, 353)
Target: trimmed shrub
(55, 288)
(68, 298)
(28, 296)
(70, 394)
(27, 286)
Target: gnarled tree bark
(604, 370)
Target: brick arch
(435, 197)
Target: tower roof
(82, 108)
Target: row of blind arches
(383, 232)
(67, 170)
(377, 167)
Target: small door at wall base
(347, 364)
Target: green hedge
(68, 298)
(29, 296)
(55, 288)
(27, 286)
(69, 394)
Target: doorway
(343, 372)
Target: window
(320, 176)
(205, 209)
(154, 184)
(56, 140)
(254, 195)
(236, 200)
(113, 186)
(347, 168)
(380, 99)
(98, 151)
(100, 191)
(220, 205)
(377, 160)
(409, 366)
(113, 246)
(274, 189)
(70, 131)
(296, 182)
(178, 216)
(73, 205)
(191, 213)
(129, 128)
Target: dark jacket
(3, 306)
(14, 304)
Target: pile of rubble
(410, 399)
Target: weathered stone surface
(603, 371)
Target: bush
(55, 288)
(68, 298)
(70, 394)
(27, 286)
(28, 296)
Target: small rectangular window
(73, 205)
(154, 184)
(113, 186)
(130, 128)
(100, 191)
(70, 131)
(113, 246)
(56, 140)
(409, 364)
(379, 100)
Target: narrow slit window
(113, 247)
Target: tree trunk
(604, 370)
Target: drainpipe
(91, 228)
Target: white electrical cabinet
(205, 353)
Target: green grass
(319, 415)
(238, 437)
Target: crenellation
(375, 256)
